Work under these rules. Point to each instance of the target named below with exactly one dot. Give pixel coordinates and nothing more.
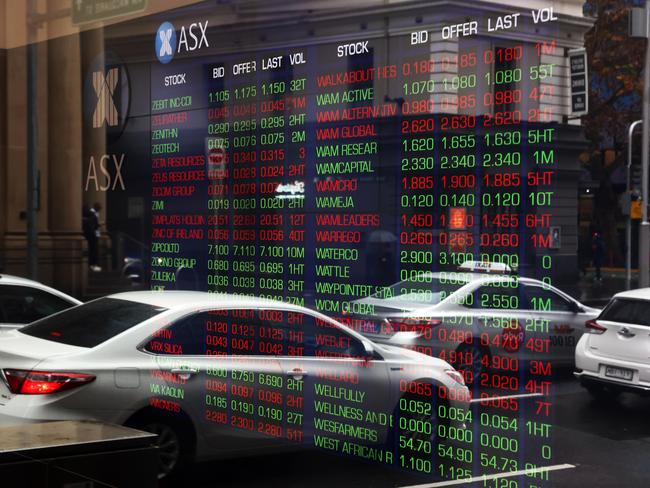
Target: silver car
(221, 376)
(23, 301)
(479, 321)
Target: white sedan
(222, 376)
(23, 301)
(477, 320)
(614, 354)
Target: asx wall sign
(104, 86)
(107, 95)
(106, 106)
(190, 39)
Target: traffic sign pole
(644, 229)
(628, 223)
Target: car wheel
(472, 368)
(602, 393)
(173, 444)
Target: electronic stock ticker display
(347, 174)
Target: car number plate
(621, 373)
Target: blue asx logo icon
(165, 42)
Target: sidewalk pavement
(597, 293)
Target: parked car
(221, 376)
(614, 354)
(469, 316)
(23, 301)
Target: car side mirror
(575, 308)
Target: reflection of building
(64, 147)
(72, 145)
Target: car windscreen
(25, 304)
(425, 289)
(627, 311)
(92, 323)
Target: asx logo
(167, 44)
(104, 86)
(106, 95)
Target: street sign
(85, 11)
(579, 81)
(637, 23)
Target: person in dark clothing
(598, 253)
(90, 226)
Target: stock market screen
(408, 175)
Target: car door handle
(185, 373)
(297, 373)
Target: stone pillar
(16, 170)
(13, 166)
(65, 162)
(3, 136)
(94, 138)
(3, 156)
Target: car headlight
(455, 375)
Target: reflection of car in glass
(613, 355)
(473, 319)
(23, 301)
(220, 375)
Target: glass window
(92, 323)
(320, 338)
(23, 304)
(421, 290)
(244, 332)
(332, 341)
(183, 337)
(211, 333)
(627, 311)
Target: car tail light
(42, 382)
(593, 327)
(455, 375)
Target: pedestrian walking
(91, 230)
(598, 253)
